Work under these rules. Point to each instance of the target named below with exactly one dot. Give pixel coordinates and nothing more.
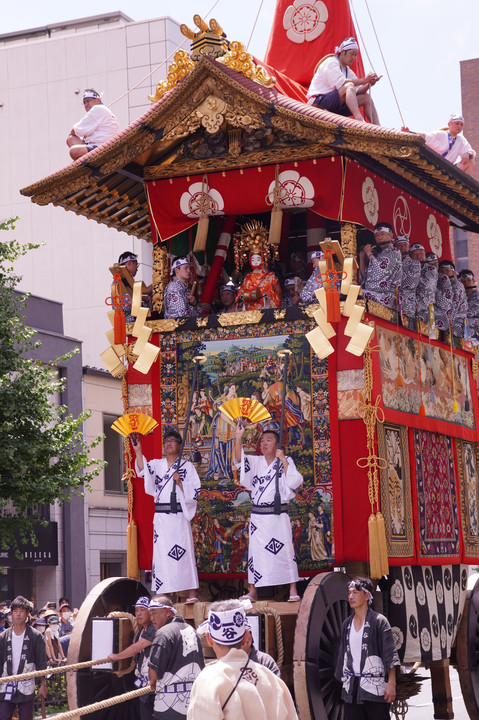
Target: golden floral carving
(246, 317)
(279, 314)
(237, 58)
(165, 325)
(178, 69)
(160, 276)
(202, 321)
(379, 310)
(211, 111)
(348, 240)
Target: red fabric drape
(369, 199)
(303, 32)
(315, 184)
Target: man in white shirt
(336, 88)
(452, 145)
(96, 127)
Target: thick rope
(266, 609)
(109, 702)
(53, 670)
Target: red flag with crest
(304, 31)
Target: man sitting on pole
(270, 553)
(336, 88)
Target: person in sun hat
(367, 657)
(96, 127)
(235, 687)
(336, 88)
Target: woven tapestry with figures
(436, 496)
(396, 505)
(469, 495)
(425, 605)
(247, 365)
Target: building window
(113, 448)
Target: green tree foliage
(43, 453)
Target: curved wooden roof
(108, 184)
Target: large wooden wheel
(323, 609)
(467, 652)
(89, 686)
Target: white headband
(227, 627)
(455, 117)
(317, 254)
(91, 94)
(348, 44)
(178, 263)
(156, 604)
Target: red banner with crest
(176, 203)
(369, 199)
(304, 31)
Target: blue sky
(423, 42)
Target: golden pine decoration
(134, 423)
(243, 407)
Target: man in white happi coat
(174, 564)
(234, 687)
(271, 558)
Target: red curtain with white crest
(304, 31)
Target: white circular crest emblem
(194, 201)
(370, 200)
(402, 217)
(305, 20)
(296, 191)
(434, 234)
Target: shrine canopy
(335, 189)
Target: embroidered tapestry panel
(469, 495)
(436, 495)
(396, 505)
(436, 376)
(247, 365)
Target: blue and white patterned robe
(270, 553)
(174, 563)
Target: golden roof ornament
(210, 41)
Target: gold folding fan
(243, 407)
(134, 423)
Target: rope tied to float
(53, 670)
(266, 609)
(103, 704)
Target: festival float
(380, 413)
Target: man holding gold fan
(174, 562)
(270, 554)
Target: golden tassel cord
(371, 414)
(132, 567)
